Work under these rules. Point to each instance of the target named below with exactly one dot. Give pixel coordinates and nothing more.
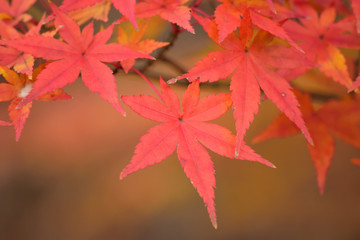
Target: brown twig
(171, 39)
(174, 64)
(46, 6)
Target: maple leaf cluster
(266, 50)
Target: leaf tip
(215, 226)
(299, 49)
(119, 108)
(236, 153)
(238, 149)
(309, 139)
(321, 176)
(122, 175)
(172, 81)
(213, 220)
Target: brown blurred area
(61, 180)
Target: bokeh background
(61, 180)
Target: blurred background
(61, 180)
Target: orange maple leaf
(340, 117)
(134, 41)
(16, 89)
(171, 10)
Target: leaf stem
(195, 9)
(149, 82)
(195, 3)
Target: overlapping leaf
(16, 89)
(250, 74)
(82, 52)
(16, 9)
(98, 11)
(320, 4)
(355, 4)
(11, 57)
(356, 84)
(341, 118)
(125, 7)
(134, 41)
(185, 131)
(229, 16)
(171, 10)
(320, 38)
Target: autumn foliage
(267, 49)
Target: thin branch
(171, 39)
(175, 65)
(117, 67)
(221, 85)
(198, 10)
(46, 6)
(195, 3)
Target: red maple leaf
(320, 38)
(16, 89)
(16, 8)
(185, 131)
(82, 52)
(341, 118)
(11, 57)
(125, 7)
(355, 4)
(170, 10)
(271, 5)
(229, 16)
(320, 4)
(98, 11)
(250, 74)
